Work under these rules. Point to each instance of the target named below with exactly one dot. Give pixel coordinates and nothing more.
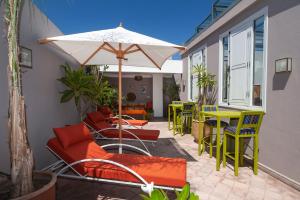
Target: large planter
(44, 183)
(197, 130)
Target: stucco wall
(39, 85)
(142, 89)
(279, 136)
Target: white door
(240, 56)
(197, 59)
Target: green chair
(177, 102)
(211, 123)
(247, 127)
(184, 118)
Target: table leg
(218, 150)
(174, 121)
(169, 117)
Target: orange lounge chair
(97, 122)
(126, 119)
(76, 149)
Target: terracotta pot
(197, 130)
(46, 187)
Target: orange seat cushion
(162, 171)
(133, 122)
(72, 134)
(134, 112)
(96, 116)
(143, 134)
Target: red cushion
(102, 125)
(73, 134)
(143, 134)
(105, 110)
(161, 171)
(133, 122)
(96, 116)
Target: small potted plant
(206, 96)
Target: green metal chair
(247, 127)
(184, 118)
(211, 123)
(177, 102)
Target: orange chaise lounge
(77, 150)
(102, 128)
(108, 114)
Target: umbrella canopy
(100, 47)
(115, 46)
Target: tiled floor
(204, 179)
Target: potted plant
(150, 114)
(23, 179)
(206, 96)
(81, 87)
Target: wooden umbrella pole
(120, 56)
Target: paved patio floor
(208, 183)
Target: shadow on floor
(68, 189)
(164, 147)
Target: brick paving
(208, 183)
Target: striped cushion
(212, 122)
(232, 129)
(251, 119)
(209, 108)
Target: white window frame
(262, 12)
(201, 48)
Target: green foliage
(107, 96)
(172, 90)
(205, 79)
(80, 87)
(207, 85)
(185, 194)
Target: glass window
(258, 61)
(198, 58)
(225, 69)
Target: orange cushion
(134, 112)
(72, 134)
(161, 171)
(133, 122)
(96, 116)
(105, 110)
(102, 125)
(143, 134)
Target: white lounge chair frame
(62, 167)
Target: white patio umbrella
(116, 47)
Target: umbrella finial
(121, 24)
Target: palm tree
(21, 156)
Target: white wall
(158, 95)
(40, 87)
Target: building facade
(242, 47)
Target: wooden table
(174, 107)
(220, 115)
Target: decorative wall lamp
(283, 65)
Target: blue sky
(170, 20)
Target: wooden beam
(93, 54)
(108, 49)
(45, 41)
(128, 48)
(180, 48)
(132, 51)
(111, 47)
(148, 57)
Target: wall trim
(279, 176)
(283, 178)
